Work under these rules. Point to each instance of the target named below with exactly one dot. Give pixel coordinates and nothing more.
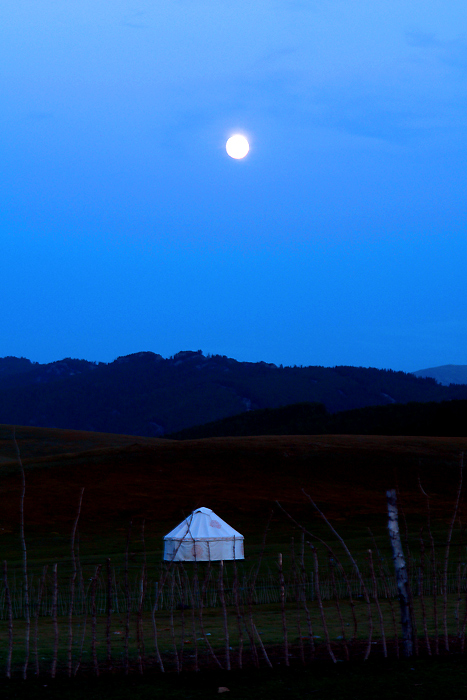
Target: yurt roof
(203, 524)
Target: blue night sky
(340, 239)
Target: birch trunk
(401, 573)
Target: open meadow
(111, 606)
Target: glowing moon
(237, 146)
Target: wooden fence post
(401, 573)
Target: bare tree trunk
(25, 561)
(409, 562)
(72, 586)
(10, 620)
(54, 619)
(401, 573)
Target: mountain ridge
(445, 374)
(148, 395)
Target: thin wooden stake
(320, 603)
(240, 621)
(338, 607)
(194, 599)
(154, 626)
(36, 621)
(94, 619)
(378, 607)
(54, 619)
(284, 620)
(446, 554)
(253, 632)
(179, 585)
(128, 603)
(433, 568)
(303, 592)
(201, 621)
(109, 614)
(224, 615)
(297, 601)
(139, 620)
(172, 625)
(357, 570)
(72, 587)
(341, 568)
(85, 616)
(421, 593)
(10, 620)
(25, 561)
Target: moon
(237, 146)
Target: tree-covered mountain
(145, 394)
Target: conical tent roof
(203, 536)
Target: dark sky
(339, 239)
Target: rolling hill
(161, 481)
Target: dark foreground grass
(444, 678)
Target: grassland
(159, 482)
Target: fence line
(266, 590)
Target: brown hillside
(240, 478)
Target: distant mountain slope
(145, 394)
(444, 419)
(445, 374)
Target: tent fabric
(203, 536)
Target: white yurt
(203, 536)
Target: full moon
(237, 146)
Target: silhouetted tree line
(145, 394)
(448, 418)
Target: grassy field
(158, 482)
(162, 481)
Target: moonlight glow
(237, 146)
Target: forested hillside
(145, 394)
